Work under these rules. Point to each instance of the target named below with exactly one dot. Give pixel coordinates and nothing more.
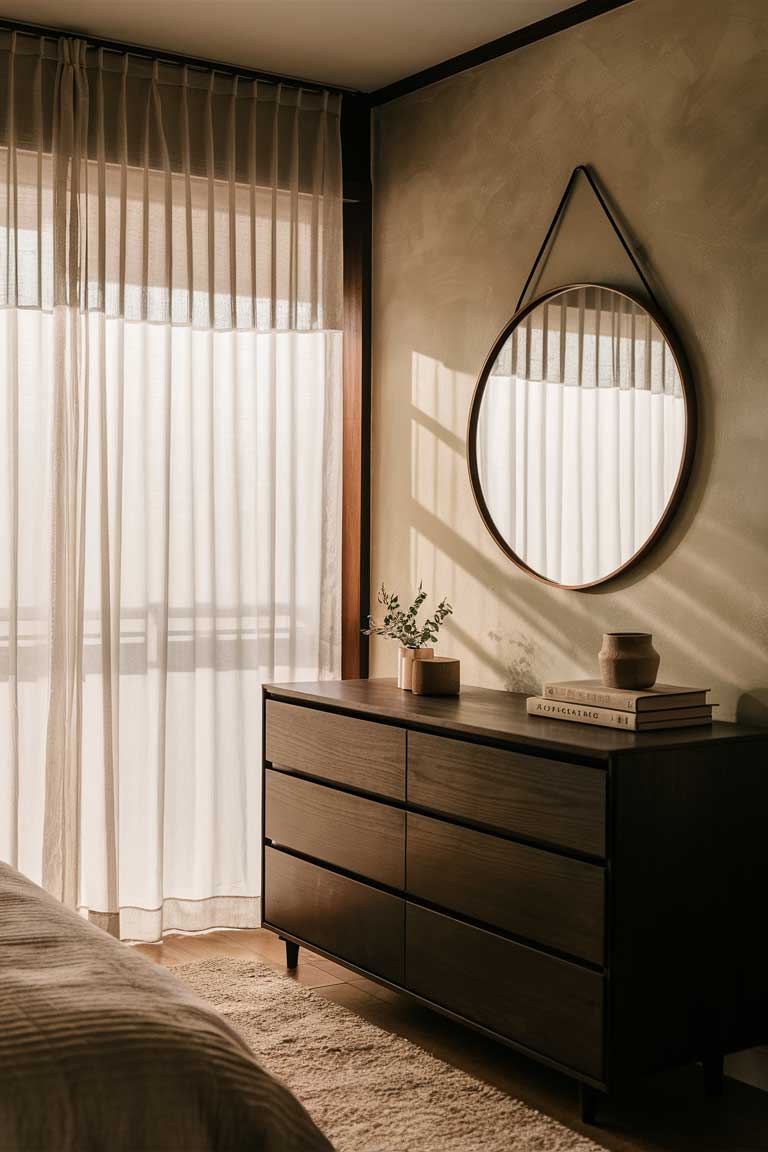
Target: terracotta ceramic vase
(405, 659)
(628, 660)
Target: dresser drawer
(548, 1005)
(530, 796)
(357, 753)
(344, 917)
(547, 898)
(336, 827)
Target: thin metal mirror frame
(689, 397)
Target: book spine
(591, 696)
(581, 713)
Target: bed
(101, 1049)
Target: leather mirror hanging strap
(583, 170)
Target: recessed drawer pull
(342, 749)
(350, 832)
(345, 917)
(548, 801)
(544, 897)
(549, 1005)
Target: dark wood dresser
(591, 897)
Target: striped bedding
(101, 1049)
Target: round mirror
(580, 434)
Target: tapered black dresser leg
(588, 1101)
(291, 953)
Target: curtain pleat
(225, 193)
(591, 338)
(170, 314)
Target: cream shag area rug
(369, 1091)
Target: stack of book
(646, 710)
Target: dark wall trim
(586, 10)
(150, 53)
(356, 375)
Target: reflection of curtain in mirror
(169, 467)
(581, 435)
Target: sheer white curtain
(170, 301)
(581, 434)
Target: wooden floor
(671, 1113)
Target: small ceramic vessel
(439, 676)
(405, 661)
(628, 660)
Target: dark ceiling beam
(539, 30)
(586, 10)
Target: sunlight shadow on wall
(513, 632)
(450, 550)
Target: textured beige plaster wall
(668, 100)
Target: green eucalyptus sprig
(401, 624)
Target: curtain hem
(149, 925)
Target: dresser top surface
(492, 714)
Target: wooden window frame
(356, 443)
